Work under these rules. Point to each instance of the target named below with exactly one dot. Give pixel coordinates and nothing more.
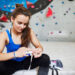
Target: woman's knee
(45, 60)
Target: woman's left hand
(37, 52)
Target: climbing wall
(53, 22)
(59, 25)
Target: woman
(17, 40)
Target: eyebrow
(21, 22)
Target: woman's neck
(14, 32)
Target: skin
(19, 23)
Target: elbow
(40, 46)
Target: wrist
(41, 49)
(14, 53)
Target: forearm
(40, 47)
(6, 56)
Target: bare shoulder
(3, 35)
(3, 40)
(31, 31)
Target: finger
(36, 56)
(39, 55)
(26, 55)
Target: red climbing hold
(49, 0)
(32, 6)
(3, 18)
(49, 12)
(29, 4)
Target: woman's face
(20, 22)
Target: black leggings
(10, 66)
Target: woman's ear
(12, 18)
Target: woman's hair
(25, 38)
(19, 5)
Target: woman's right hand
(21, 52)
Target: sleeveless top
(11, 47)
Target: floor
(65, 51)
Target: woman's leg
(43, 63)
(6, 68)
(44, 68)
(10, 66)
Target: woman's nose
(22, 26)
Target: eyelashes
(21, 23)
(26, 24)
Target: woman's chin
(19, 31)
